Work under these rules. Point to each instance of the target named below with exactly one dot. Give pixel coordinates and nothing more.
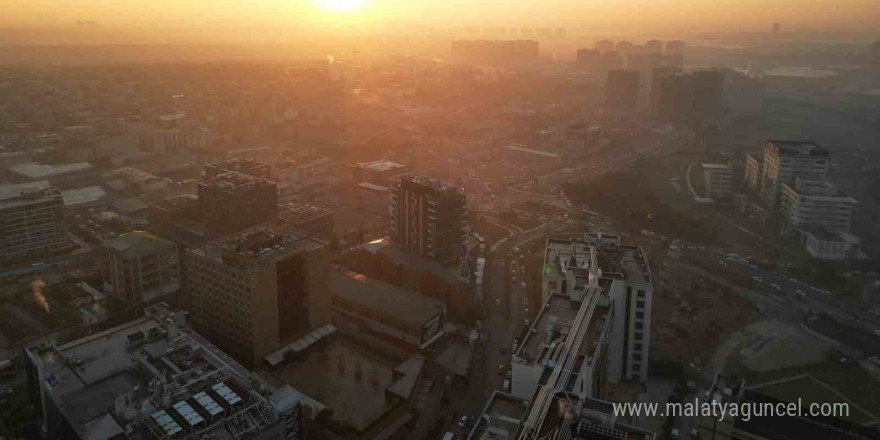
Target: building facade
(785, 160)
(752, 175)
(429, 218)
(718, 179)
(139, 267)
(622, 90)
(257, 288)
(816, 203)
(233, 201)
(32, 216)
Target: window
(637, 347)
(641, 293)
(640, 304)
(636, 377)
(637, 358)
(638, 336)
(639, 326)
(640, 315)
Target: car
(497, 302)
(463, 421)
(776, 286)
(500, 368)
(523, 285)
(758, 279)
(674, 433)
(527, 322)
(694, 433)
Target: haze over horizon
(237, 20)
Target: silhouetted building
(429, 218)
(675, 47)
(654, 46)
(604, 46)
(657, 75)
(622, 90)
(708, 88)
(675, 98)
(233, 201)
(624, 47)
(496, 52)
(777, 27)
(254, 290)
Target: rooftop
(823, 234)
(262, 242)
(139, 244)
(797, 148)
(83, 195)
(39, 171)
(817, 187)
(25, 193)
(301, 213)
(238, 164)
(715, 166)
(234, 181)
(381, 166)
(501, 416)
(383, 297)
(155, 376)
(613, 260)
(177, 202)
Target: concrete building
(253, 290)
(154, 378)
(233, 201)
(302, 169)
(657, 75)
(823, 244)
(786, 160)
(620, 270)
(674, 99)
(752, 175)
(811, 202)
(622, 90)
(401, 317)
(317, 222)
(429, 218)
(139, 267)
(67, 176)
(718, 179)
(32, 216)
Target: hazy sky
(581, 16)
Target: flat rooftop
(502, 414)
(261, 242)
(179, 384)
(553, 325)
(301, 213)
(177, 202)
(139, 244)
(715, 166)
(383, 297)
(238, 164)
(614, 260)
(234, 181)
(381, 166)
(797, 148)
(39, 171)
(21, 189)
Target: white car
(758, 279)
(462, 422)
(523, 285)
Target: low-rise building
(379, 172)
(139, 267)
(154, 378)
(718, 179)
(752, 175)
(72, 175)
(814, 202)
(318, 222)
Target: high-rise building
(495, 52)
(675, 98)
(752, 175)
(622, 90)
(623, 273)
(675, 47)
(429, 218)
(786, 160)
(811, 202)
(718, 179)
(624, 47)
(657, 75)
(708, 86)
(258, 288)
(654, 46)
(777, 27)
(604, 46)
(154, 378)
(233, 201)
(139, 267)
(32, 216)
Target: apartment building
(786, 160)
(32, 216)
(233, 201)
(752, 176)
(155, 379)
(812, 202)
(429, 218)
(139, 267)
(257, 288)
(718, 179)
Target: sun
(342, 5)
